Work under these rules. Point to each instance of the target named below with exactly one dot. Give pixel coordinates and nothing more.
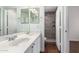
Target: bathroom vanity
(21, 43)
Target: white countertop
(21, 47)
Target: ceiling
(50, 8)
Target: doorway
(62, 40)
(50, 30)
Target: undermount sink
(18, 41)
(12, 37)
(13, 41)
(30, 34)
(5, 45)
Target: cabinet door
(36, 46)
(29, 50)
(39, 46)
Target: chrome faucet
(12, 38)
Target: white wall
(74, 23)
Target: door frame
(65, 30)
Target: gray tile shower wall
(50, 25)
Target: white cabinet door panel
(29, 50)
(36, 46)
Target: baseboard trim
(50, 40)
(74, 39)
(42, 52)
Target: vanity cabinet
(29, 50)
(35, 47)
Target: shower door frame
(64, 30)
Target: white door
(58, 28)
(66, 30)
(62, 29)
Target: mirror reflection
(16, 19)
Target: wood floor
(74, 46)
(51, 47)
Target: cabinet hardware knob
(33, 43)
(32, 46)
(0, 29)
(65, 30)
